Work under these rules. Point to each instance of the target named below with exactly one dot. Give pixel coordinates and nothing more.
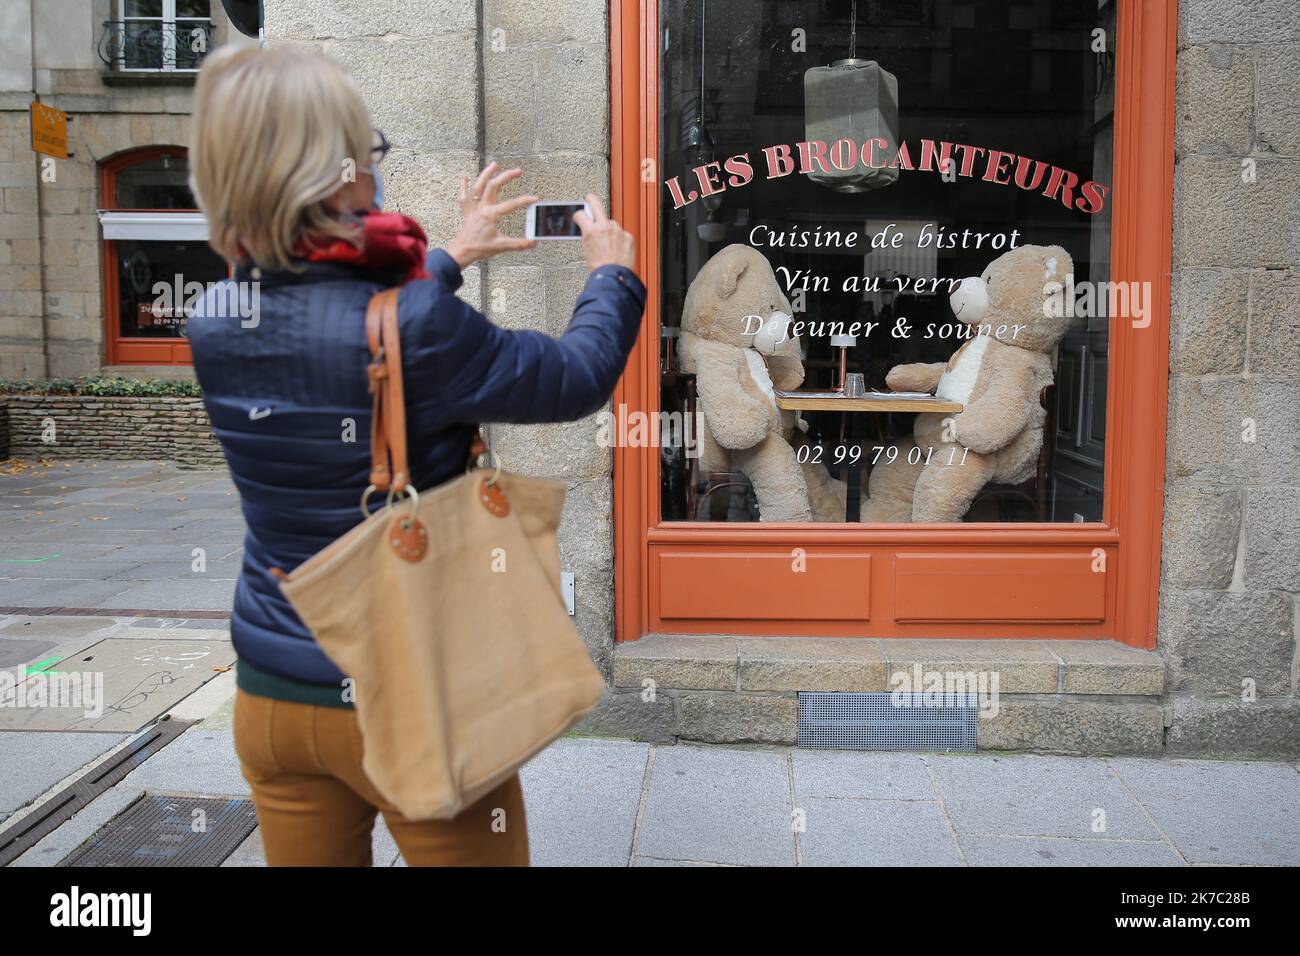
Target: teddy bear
(736, 340)
(1013, 323)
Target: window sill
(149, 77)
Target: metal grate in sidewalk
(169, 830)
(20, 836)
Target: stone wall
(1230, 581)
(91, 426)
(452, 93)
(558, 133)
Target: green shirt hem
(261, 684)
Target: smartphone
(554, 220)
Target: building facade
(73, 280)
(1175, 435)
(1131, 588)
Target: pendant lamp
(857, 100)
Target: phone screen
(555, 221)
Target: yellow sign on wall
(49, 131)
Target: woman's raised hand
(479, 237)
(604, 241)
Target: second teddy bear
(997, 375)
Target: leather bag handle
(388, 467)
(388, 462)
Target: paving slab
(202, 760)
(34, 762)
(15, 652)
(582, 798)
(112, 519)
(71, 545)
(215, 526)
(211, 698)
(48, 661)
(1038, 796)
(179, 568)
(875, 833)
(55, 627)
(174, 630)
(1042, 851)
(21, 656)
(879, 776)
(1219, 812)
(219, 623)
(59, 592)
(121, 684)
(175, 595)
(652, 861)
(71, 567)
(176, 556)
(223, 716)
(718, 806)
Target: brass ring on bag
(365, 498)
(492, 457)
(415, 502)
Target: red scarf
(391, 242)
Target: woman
(284, 168)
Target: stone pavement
(119, 536)
(111, 548)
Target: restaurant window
(845, 184)
(907, 324)
(156, 255)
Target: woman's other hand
(604, 241)
(479, 237)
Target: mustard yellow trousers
(315, 806)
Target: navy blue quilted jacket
(281, 394)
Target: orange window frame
(119, 349)
(971, 580)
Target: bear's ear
(730, 277)
(1049, 267)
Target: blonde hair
(274, 131)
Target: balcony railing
(155, 46)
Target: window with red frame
(155, 247)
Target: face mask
(379, 186)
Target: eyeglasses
(381, 147)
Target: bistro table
(830, 401)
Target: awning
(176, 226)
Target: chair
(1033, 491)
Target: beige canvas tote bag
(444, 607)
